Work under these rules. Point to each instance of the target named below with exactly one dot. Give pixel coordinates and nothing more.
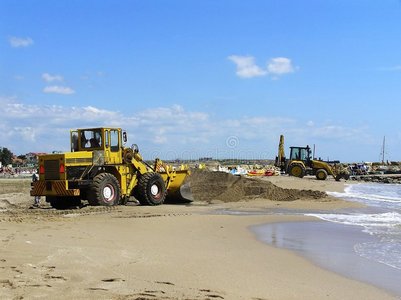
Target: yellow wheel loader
(300, 164)
(101, 170)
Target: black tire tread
(95, 189)
(319, 171)
(63, 202)
(297, 165)
(142, 189)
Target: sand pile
(208, 186)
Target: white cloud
(246, 67)
(27, 133)
(56, 89)
(160, 139)
(50, 78)
(17, 42)
(393, 68)
(280, 66)
(334, 131)
(171, 132)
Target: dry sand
(164, 252)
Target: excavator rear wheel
(151, 189)
(297, 170)
(321, 174)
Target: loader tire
(342, 175)
(63, 202)
(321, 174)
(151, 189)
(104, 190)
(297, 170)
(56, 202)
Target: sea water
(381, 220)
(363, 243)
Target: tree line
(6, 156)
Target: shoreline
(318, 249)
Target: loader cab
(103, 141)
(87, 139)
(301, 153)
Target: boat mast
(383, 149)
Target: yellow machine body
(100, 169)
(300, 163)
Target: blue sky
(188, 79)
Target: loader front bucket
(178, 191)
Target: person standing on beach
(35, 177)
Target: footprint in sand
(53, 277)
(164, 282)
(112, 280)
(5, 283)
(97, 289)
(211, 294)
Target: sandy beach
(166, 252)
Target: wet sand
(331, 246)
(164, 252)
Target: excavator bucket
(177, 190)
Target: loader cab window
(106, 139)
(91, 139)
(74, 141)
(300, 153)
(294, 153)
(303, 154)
(114, 141)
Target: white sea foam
(385, 225)
(390, 219)
(387, 252)
(376, 195)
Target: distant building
(205, 158)
(17, 162)
(32, 158)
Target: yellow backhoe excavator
(301, 163)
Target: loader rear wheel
(297, 170)
(321, 174)
(56, 202)
(63, 202)
(151, 189)
(105, 190)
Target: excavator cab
(301, 153)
